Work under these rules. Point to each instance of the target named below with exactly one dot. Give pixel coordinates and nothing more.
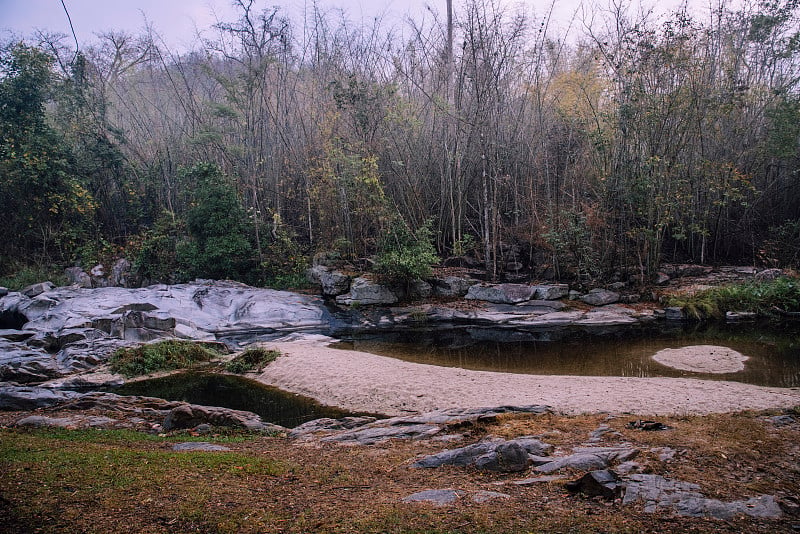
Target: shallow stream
(773, 350)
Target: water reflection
(272, 404)
(774, 350)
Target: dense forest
(481, 134)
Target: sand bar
(360, 381)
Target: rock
(201, 446)
(734, 316)
(37, 289)
(657, 492)
(508, 457)
(120, 272)
(460, 457)
(782, 420)
(581, 462)
(674, 313)
(602, 483)
(31, 398)
(483, 496)
(437, 497)
(552, 291)
(665, 454)
(452, 286)
(767, 275)
(3, 291)
(601, 432)
(326, 424)
(661, 279)
(537, 480)
(589, 459)
(419, 289)
(26, 366)
(79, 277)
(192, 415)
(497, 455)
(600, 297)
(333, 283)
(501, 293)
(640, 424)
(77, 421)
(373, 435)
(365, 292)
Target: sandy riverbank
(359, 381)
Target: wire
(77, 46)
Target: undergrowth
(253, 359)
(162, 356)
(763, 298)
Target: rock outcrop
(53, 332)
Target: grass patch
(253, 359)
(88, 482)
(162, 356)
(764, 298)
(26, 276)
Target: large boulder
(332, 282)
(365, 292)
(452, 286)
(600, 297)
(501, 293)
(79, 277)
(552, 291)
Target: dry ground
(123, 481)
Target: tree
(218, 244)
(46, 203)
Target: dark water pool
(773, 350)
(272, 404)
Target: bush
(763, 298)
(254, 359)
(404, 256)
(161, 356)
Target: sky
(177, 21)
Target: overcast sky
(177, 20)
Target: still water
(773, 350)
(235, 392)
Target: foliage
(47, 207)
(782, 247)
(251, 360)
(154, 252)
(403, 255)
(218, 246)
(24, 276)
(284, 262)
(763, 298)
(160, 356)
(571, 241)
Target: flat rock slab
(657, 492)
(439, 497)
(199, 446)
(702, 359)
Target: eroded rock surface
(54, 332)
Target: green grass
(253, 359)
(162, 356)
(26, 276)
(763, 298)
(127, 437)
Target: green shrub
(404, 256)
(253, 359)
(161, 356)
(26, 276)
(763, 298)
